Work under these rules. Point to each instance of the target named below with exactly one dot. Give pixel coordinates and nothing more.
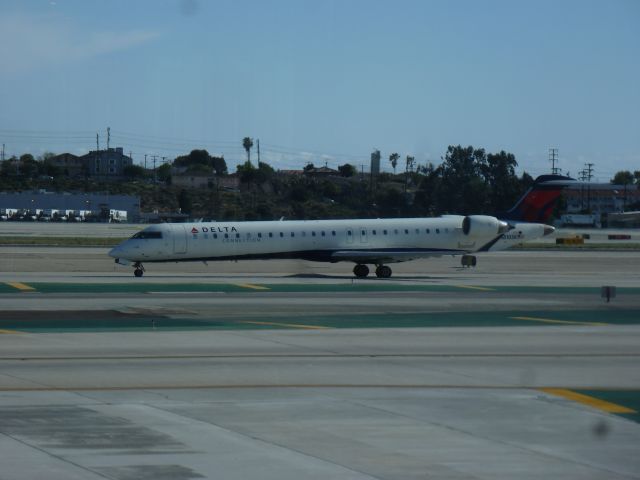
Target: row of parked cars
(52, 215)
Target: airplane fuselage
(392, 240)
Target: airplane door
(363, 235)
(349, 235)
(180, 239)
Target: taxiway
(292, 370)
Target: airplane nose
(548, 230)
(115, 252)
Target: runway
(256, 371)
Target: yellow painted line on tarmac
(470, 287)
(23, 287)
(254, 287)
(8, 332)
(564, 322)
(288, 325)
(587, 400)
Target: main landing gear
(468, 261)
(139, 269)
(361, 271)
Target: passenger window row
(313, 233)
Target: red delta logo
(194, 230)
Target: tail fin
(537, 204)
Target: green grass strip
(118, 321)
(360, 286)
(626, 398)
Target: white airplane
(361, 241)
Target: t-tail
(537, 204)
(528, 218)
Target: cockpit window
(147, 235)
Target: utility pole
(582, 177)
(3, 152)
(145, 162)
(108, 137)
(589, 171)
(97, 165)
(154, 167)
(258, 145)
(409, 167)
(589, 177)
(553, 158)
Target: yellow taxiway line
(8, 332)
(564, 322)
(288, 325)
(471, 287)
(23, 287)
(587, 400)
(249, 285)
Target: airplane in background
(528, 217)
(361, 241)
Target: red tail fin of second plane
(537, 204)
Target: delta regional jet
(361, 241)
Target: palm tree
(247, 143)
(393, 158)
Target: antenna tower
(553, 158)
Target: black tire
(137, 272)
(383, 271)
(361, 271)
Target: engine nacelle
(483, 226)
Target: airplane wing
(387, 256)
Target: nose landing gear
(139, 269)
(468, 261)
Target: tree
(184, 202)
(463, 189)
(308, 167)
(265, 172)
(624, 177)
(390, 201)
(393, 158)
(409, 167)
(246, 172)
(164, 172)
(219, 165)
(423, 201)
(347, 170)
(46, 156)
(133, 172)
(29, 167)
(202, 157)
(247, 143)
(50, 169)
(499, 173)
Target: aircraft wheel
(383, 271)
(138, 272)
(468, 261)
(361, 271)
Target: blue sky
(326, 81)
